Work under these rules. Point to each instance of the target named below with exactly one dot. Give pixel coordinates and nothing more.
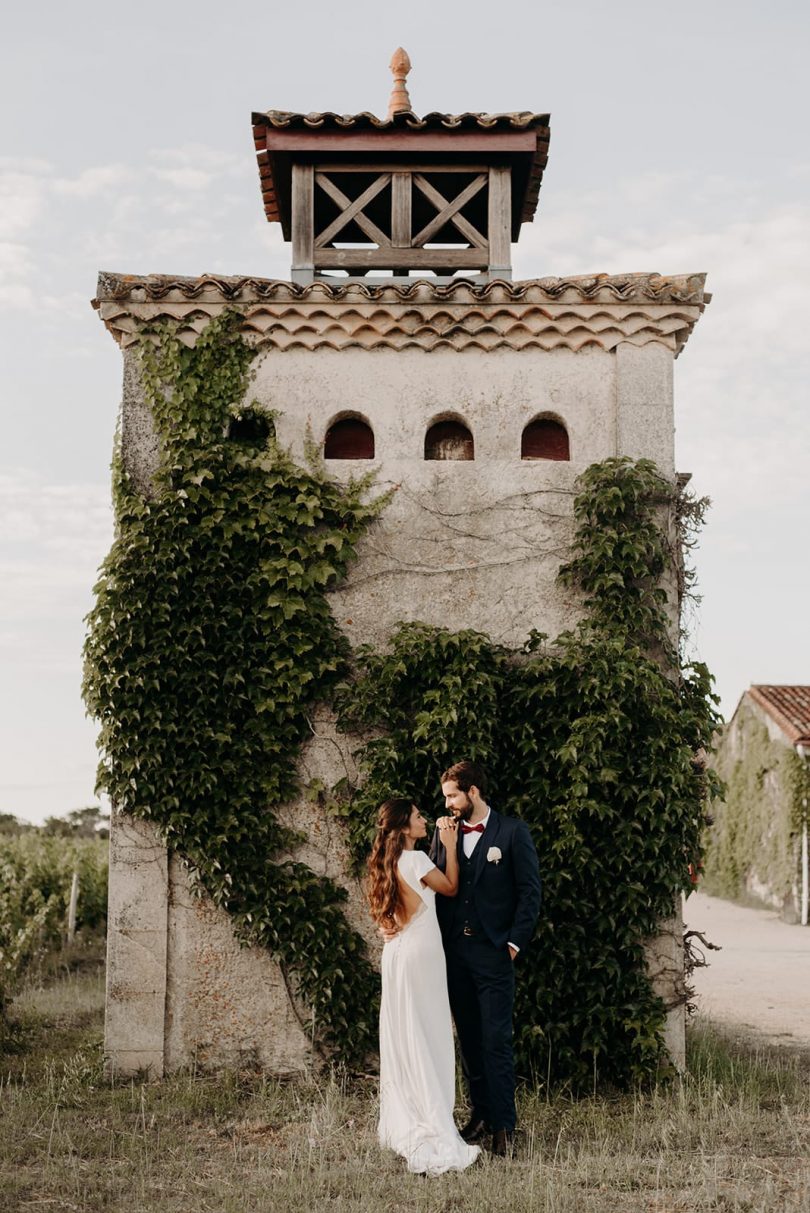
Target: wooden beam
(448, 211)
(401, 210)
(401, 141)
(353, 210)
(500, 222)
(363, 222)
(303, 222)
(371, 277)
(393, 166)
(405, 258)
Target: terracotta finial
(399, 101)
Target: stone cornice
(541, 313)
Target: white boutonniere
(494, 855)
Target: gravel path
(760, 981)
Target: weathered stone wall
(136, 948)
(462, 544)
(753, 844)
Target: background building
(757, 844)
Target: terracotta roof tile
(523, 120)
(789, 706)
(591, 288)
(541, 313)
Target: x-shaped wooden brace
(352, 210)
(449, 211)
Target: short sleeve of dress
(416, 865)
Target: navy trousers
(481, 985)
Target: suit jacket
(506, 893)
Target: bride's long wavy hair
(382, 886)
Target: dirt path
(761, 979)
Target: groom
(484, 928)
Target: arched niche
(545, 438)
(449, 438)
(349, 437)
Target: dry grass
(732, 1136)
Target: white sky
(679, 144)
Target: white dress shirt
(470, 841)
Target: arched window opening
(251, 428)
(545, 439)
(349, 438)
(449, 440)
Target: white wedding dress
(417, 1057)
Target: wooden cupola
(441, 196)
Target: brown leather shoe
(503, 1143)
(475, 1130)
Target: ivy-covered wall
(213, 652)
(210, 640)
(752, 847)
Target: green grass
(733, 1135)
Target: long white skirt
(417, 1057)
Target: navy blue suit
(497, 904)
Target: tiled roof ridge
(792, 717)
(651, 287)
(281, 119)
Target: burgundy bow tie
(479, 829)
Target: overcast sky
(679, 144)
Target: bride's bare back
(409, 902)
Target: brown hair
(466, 775)
(382, 886)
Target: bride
(417, 1057)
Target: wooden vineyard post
(72, 904)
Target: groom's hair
(466, 775)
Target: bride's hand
(448, 831)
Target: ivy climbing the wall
(210, 639)
(592, 741)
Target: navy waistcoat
(464, 913)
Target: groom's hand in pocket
(512, 952)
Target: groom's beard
(465, 813)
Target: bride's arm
(445, 882)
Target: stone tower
(399, 340)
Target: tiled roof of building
(523, 119)
(789, 706)
(274, 171)
(583, 288)
(542, 313)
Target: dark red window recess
(545, 439)
(449, 440)
(349, 438)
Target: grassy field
(733, 1135)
